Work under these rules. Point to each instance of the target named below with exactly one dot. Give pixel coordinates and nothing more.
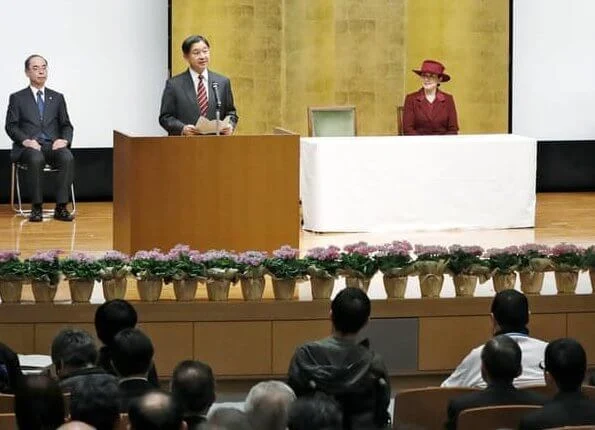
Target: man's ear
(495, 326)
(549, 380)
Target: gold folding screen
(284, 55)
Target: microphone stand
(217, 106)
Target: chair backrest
(494, 417)
(574, 428)
(283, 131)
(332, 121)
(6, 403)
(588, 390)
(424, 408)
(400, 130)
(8, 422)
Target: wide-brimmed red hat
(434, 67)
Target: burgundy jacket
(423, 117)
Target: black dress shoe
(62, 214)
(36, 214)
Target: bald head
(156, 411)
(75, 425)
(501, 359)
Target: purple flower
(534, 248)
(430, 250)
(472, 250)
(361, 248)
(320, 253)
(153, 254)
(252, 258)
(394, 248)
(286, 252)
(216, 254)
(6, 256)
(509, 250)
(566, 248)
(81, 257)
(116, 255)
(47, 256)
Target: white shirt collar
(34, 90)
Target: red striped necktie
(201, 96)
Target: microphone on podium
(216, 91)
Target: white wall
(553, 69)
(108, 58)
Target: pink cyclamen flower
(286, 252)
(473, 249)
(430, 250)
(566, 248)
(252, 258)
(535, 248)
(6, 256)
(116, 255)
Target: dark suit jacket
(131, 390)
(23, 121)
(423, 117)
(179, 106)
(493, 395)
(566, 409)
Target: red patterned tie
(201, 96)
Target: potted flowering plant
(395, 263)
(568, 260)
(251, 271)
(222, 270)
(430, 265)
(503, 263)
(589, 263)
(185, 270)
(43, 268)
(150, 268)
(533, 262)
(285, 268)
(115, 267)
(358, 265)
(81, 270)
(13, 272)
(466, 267)
(322, 266)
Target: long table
(400, 183)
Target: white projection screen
(108, 58)
(553, 65)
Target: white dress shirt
(34, 91)
(468, 373)
(205, 80)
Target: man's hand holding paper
(205, 126)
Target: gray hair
(267, 405)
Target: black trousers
(60, 159)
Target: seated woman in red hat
(429, 110)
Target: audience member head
(10, 370)
(38, 403)
(510, 312)
(73, 349)
(191, 40)
(565, 364)
(75, 425)
(113, 316)
(193, 387)
(156, 411)
(350, 311)
(95, 401)
(229, 419)
(501, 360)
(267, 405)
(315, 413)
(132, 353)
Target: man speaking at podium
(196, 92)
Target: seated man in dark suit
(156, 411)
(38, 124)
(500, 364)
(565, 367)
(95, 401)
(193, 93)
(74, 355)
(132, 355)
(344, 368)
(193, 387)
(110, 318)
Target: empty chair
(494, 417)
(332, 121)
(424, 408)
(574, 428)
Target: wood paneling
(222, 192)
(172, 342)
(288, 335)
(234, 348)
(442, 340)
(582, 328)
(547, 326)
(45, 334)
(19, 337)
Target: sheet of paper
(206, 126)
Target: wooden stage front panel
(256, 340)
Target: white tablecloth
(400, 183)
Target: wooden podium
(209, 192)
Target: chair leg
(19, 210)
(73, 199)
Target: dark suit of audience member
(132, 354)
(74, 355)
(501, 363)
(429, 110)
(343, 368)
(10, 370)
(110, 318)
(190, 94)
(37, 122)
(95, 401)
(193, 388)
(39, 403)
(565, 367)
